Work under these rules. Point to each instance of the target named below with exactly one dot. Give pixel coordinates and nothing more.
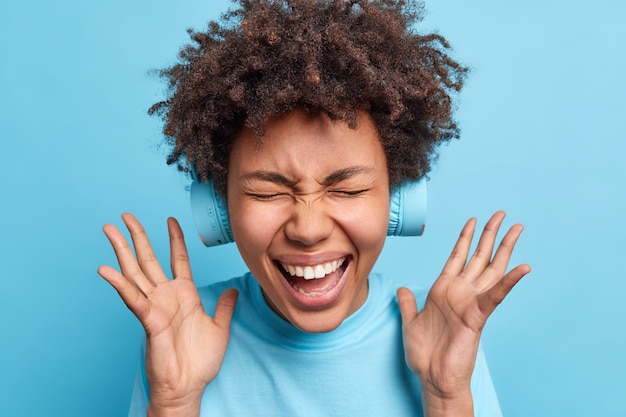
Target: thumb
(225, 308)
(408, 305)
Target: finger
(407, 304)
(179, 258)
(484, 250)
(145, 256)
(489, 300)
(494, 272)
(134, 299)
(456, 262)
(225, 308)
(505, 249)
(126, 259)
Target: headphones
(407, 212)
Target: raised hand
(441, 340)
(185, 347)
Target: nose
(309, 223)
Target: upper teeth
(313, 271)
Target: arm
(184, 346)
(441, 341)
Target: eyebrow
(269, 176)
(345, 173)
(333, 178)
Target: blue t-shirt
(273, 369)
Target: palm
(185, 347)
(441, 341)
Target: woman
(305, 115)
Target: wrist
(184, 411)
(189, 407)
(459, 404)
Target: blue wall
(542, 139)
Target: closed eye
(265, 197)
(348, 193)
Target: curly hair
(267, 57)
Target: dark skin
(180, 335)
(268, 60)
(441, 339)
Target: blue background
(542, 138)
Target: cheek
(366, 225)
(254, 229)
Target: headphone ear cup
(210, 214)
(407, 209)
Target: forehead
(300, 142)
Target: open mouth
(314, 280)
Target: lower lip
(321, 300)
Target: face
(309, 208)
